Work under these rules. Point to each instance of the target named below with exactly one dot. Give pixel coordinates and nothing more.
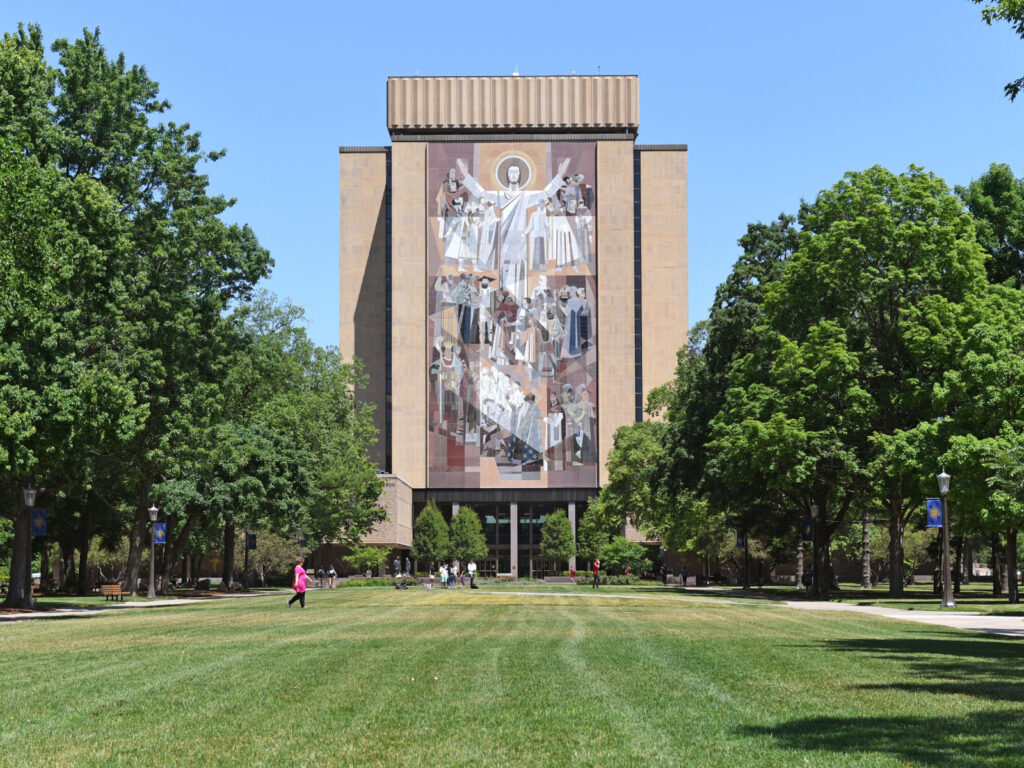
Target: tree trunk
(172, 556)
(995, 565)
(44, 567)
(1011, 565)
(968, 564)
(822, 580)
(800, 564)
(865, 553)
(746, 564)
(137, 538)
(229, 557)
(19, 588)
(895, 551)
(958, 566)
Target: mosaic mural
(512, 303)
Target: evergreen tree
(468, 541)
(556, 539)
(431, 541)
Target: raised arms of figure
(482, 194)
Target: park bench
(112, 591)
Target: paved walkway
(94, 610)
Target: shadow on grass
(983, 739)
(987, 669)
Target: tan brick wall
(409, 313)
(362, 254)
(396, 531)
(663, 224)
(615, 292)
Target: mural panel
(511, 297)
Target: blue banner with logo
(807, 531)
(252, 541)
(933, 513)
(160, 533)
(38, 522)
(741, 540)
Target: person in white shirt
(471, 569)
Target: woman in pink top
(299, 585)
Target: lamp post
(815, 574)
(28, 495)
(153, 512)
(947, 582)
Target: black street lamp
(816, 590)
(153, 512)
(947, 582)
(28, 495)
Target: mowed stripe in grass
(398, 678)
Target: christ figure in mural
(513, 204)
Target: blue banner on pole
(160, 533)
(807, 531)
(38, 522)
(741, 540)
(252, 541)
(933, 513)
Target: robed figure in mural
(513, 204)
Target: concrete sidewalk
(96, 610)
(1011, 626)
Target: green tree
(996, 201)
(431, 540)
(556, 539)
(838, 408)
(621, 553)
(592, 534)
(1012, 12)
(364, 558)
(467, 540)
(632, 493)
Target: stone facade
(640, 310)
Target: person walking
(299, 584)
(444, 576)
(472, 574)
(597, 572)
(331, 576)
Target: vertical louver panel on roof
(575, 102)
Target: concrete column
(513, 508)
(572, 524)
(455, 508)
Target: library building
(514, 280)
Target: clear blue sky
(776, 100)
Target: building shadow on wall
(370, 320)
(987, 669)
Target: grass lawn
(380, 677)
